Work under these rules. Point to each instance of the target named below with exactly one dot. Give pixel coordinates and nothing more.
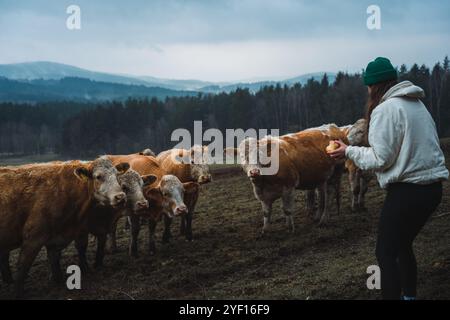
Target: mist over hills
(44, 81)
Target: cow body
(49, 205)
(303, 164)
(333, 185)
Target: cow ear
(122, 167)
(153, 193)
(83, 173)
(149, 179)
(191, 187)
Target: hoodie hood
(404, 89)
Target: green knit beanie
(379, 70)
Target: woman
(404, 152)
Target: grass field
(229, 260)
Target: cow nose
(205, 178)
(142, 204)
(254, 172)
(120, 197)
(181, 210)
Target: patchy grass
(229, 260)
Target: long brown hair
(377, 91)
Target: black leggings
(406, 209)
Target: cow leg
(337, 190)
(188, 218)
(190, 200)
(81, 244)
(167, 234)
(310, 202)
(267, 211)
(28, 252)
(127, 225)
(324, 214)
(288, 204)
(151, 236)
(111, 241)
(364, 186)
(100, 254)
(354, 180)
(54, 258)
(5, 269)
(183, 225)
(135, 225)
(320, 200)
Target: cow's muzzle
(204, 179)
(180, 210)
(119, 199)
(253, 173)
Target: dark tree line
(86, 130)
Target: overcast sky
(223, 40)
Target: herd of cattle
(53, 204)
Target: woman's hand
(339, 153)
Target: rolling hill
(44, 70)
(78, 89)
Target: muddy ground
(229, 260)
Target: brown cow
(303, 164)
(188, 166)
(49, 205)
(165, 197)
(100, 223)
(334, 182)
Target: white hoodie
(404, 145)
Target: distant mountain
(56, 71)
(78, 89)
(176, 84)
(256, 86)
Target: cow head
(357, 134)
(197, 159)
(248, 155)
(132, 184)
(147, 152)
(169, 194)
(259, 157)
(102, 176)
